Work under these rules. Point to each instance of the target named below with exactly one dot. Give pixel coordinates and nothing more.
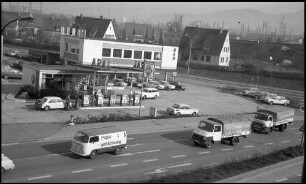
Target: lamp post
(191, 42)
(29, 18)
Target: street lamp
(191, 42)
(29, 18)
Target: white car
(51, 102)
(6, 163)
(150, 93)
(182, 109)
(269, 95)
(249, 91)
(167, 85)
(277, 100)
(157, 84)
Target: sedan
(277, 100)
(182, 109)
(178, 85)
(6, 163)
(167, 85)
(11, 73)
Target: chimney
(101, 17)
(221, 31)
(81, 16)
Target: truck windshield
(261, 116)
(81, 137)
(206, 126)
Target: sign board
(148, 70)
(69, 31)
(153, 112)
(174, 74)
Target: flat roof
(81, 68)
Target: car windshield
(81, 137)
(206, 126)
(261, 116)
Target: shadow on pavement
(181, 137)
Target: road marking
(227, 149)
(130, 138)
(118, 165)
(204, 152)
(130, 154)
(150, 160)
(161, 170)
(269, 143)
(280, 180)
(299, 175)
(135, 145)
(251, 146)
(294, 128)
(298, 133)
(84, 170)
(285, 141)
(9, 144)
(178, 140)
(299, 139)
(40, 177)
(177, 156)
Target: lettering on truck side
(109, 143)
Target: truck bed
(279, 113)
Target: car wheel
(194, 114)
(178, 114)
(5, 77)
(47, 108)
(144, 97)
(93, 154)
(2, 170)
(271, 103)
(208, 145)
(285, 104)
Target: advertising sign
(148, 70)
(69, 31)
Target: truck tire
(93, 154)
(2, 170)
(117, 151)
(285, 126)
(155, 96)
(271, 103)
(269, 130)
(194, 114)
(195, 143)
(234, 141)
(178, 114)
(208, 144)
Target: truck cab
(262, 122)
(207, 133)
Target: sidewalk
(253, 176)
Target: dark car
(11, 73)
(178, 85)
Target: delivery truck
(224, 129)
(90, 142)
(267, 119)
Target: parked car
(150, 93)
(277, 100)
(167, 85)
(157, 84)
(120, 82)
(6, 163)
(247, 92)
(137, 83)
(51, 102)
(11, 73)
(257, 95)
(263, 97)
(182, 109)
(178, 85)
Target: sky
(132, 10)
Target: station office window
(194, 57)
(207, 58)
(117, 53)
(157, 55)
(127, 54)
(147, 55)
(137, 54)
(202, 58)
(106, 52)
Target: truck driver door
(94, 143)
(217, 133)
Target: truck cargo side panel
(236, 129)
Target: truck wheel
(194, 114)
(5, 77)
(144, 97)
(117, 151)
(234, 141)
(2, 170)
(285, 104)
(93, 154)
(208, 145)
(285, 126)
(195, 143)
(271, 103)
(47, 108)
(178, 114)
(155, 96)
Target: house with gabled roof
(207, 46)
(95, 27)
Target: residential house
(95, 27)
(208, 46)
